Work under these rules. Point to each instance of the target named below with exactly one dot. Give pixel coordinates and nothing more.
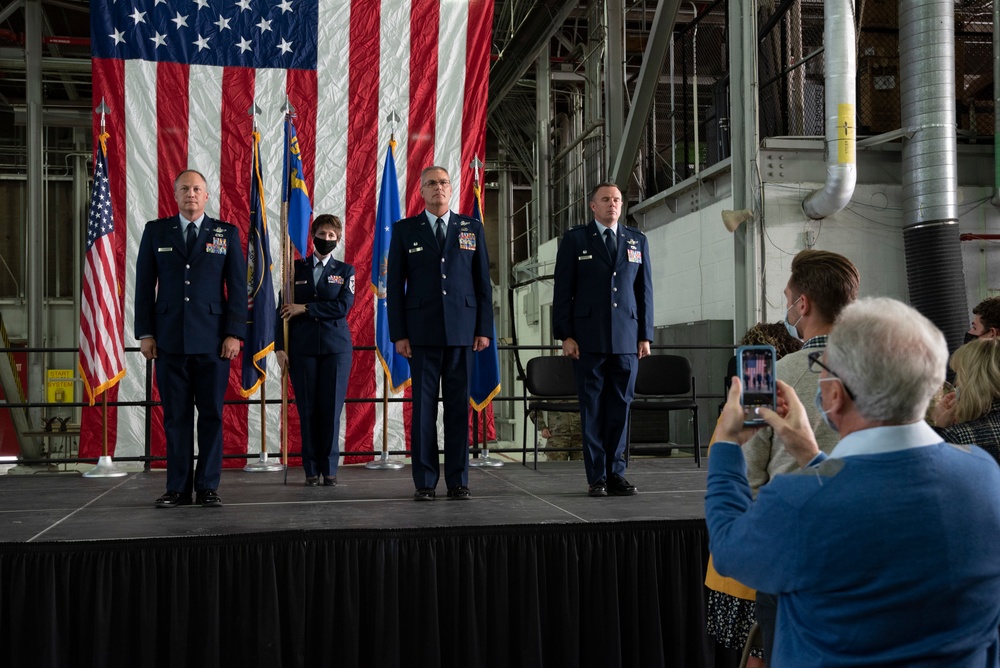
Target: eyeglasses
(444, 183)
(814, 363)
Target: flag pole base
(263, 465)
(383, 463)
(484, 461)
(105, 469)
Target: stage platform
(529, 572)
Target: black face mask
(324, 246)
(969, 336)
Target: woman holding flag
(318, 350)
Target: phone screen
(757, 376)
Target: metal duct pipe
(996, 103)
(841, 137)
(930, 174)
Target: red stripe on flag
(362, 175)
(425, 16)
(172, 108)
(235, 163)
(477, 76)
(171, 131)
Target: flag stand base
(263, 464)
(105, 469)
(383, 463)
(484, 460)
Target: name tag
(417, 249)
(635, 256)
(301, 282)
(165, 249)
(467, 241)
(585, 257)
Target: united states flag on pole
(102, 351)
(183, 75)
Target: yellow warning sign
(846, 137)
(59, 388)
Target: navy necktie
(609, 241)
(440, 232)
(192, 236)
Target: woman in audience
(971, 414)
(730, 603)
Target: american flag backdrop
(180, 77)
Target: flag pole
(483, 460)
(287, 289)
(262, 464)
(383, 463)
(105, 468)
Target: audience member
(985, 320)
(562, 432)
(971, 414)
(821, 285)
(731, 603)
(883, 553)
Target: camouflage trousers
(566, 432)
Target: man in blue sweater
(884, 553)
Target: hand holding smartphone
(756, 365)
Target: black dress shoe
(329, 481)
(209, 498)
(424, 494)
(619, 486)
(599, 488)
(460, 493)
(172, 500)
(313, 481)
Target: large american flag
(180, 76)
(102, 351)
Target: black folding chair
(659, 382)
(549, 385)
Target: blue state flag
(260, 291)
(486, 363)
(396, 367)
(294, 192)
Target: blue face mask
(794, 333)
(819, 406)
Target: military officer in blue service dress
(602, 311)
(440, 311)
(187, 265)
(319, 351)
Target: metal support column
(657, 48)
(543, 143)
(614, 77)
(743, 105)
(35, 258)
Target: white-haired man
(884, 552)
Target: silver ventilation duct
(996, 103)
(841, 139)
(930, 174)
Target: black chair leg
(697, 439)
(524, 441)
(536, 447)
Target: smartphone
(756, 366)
